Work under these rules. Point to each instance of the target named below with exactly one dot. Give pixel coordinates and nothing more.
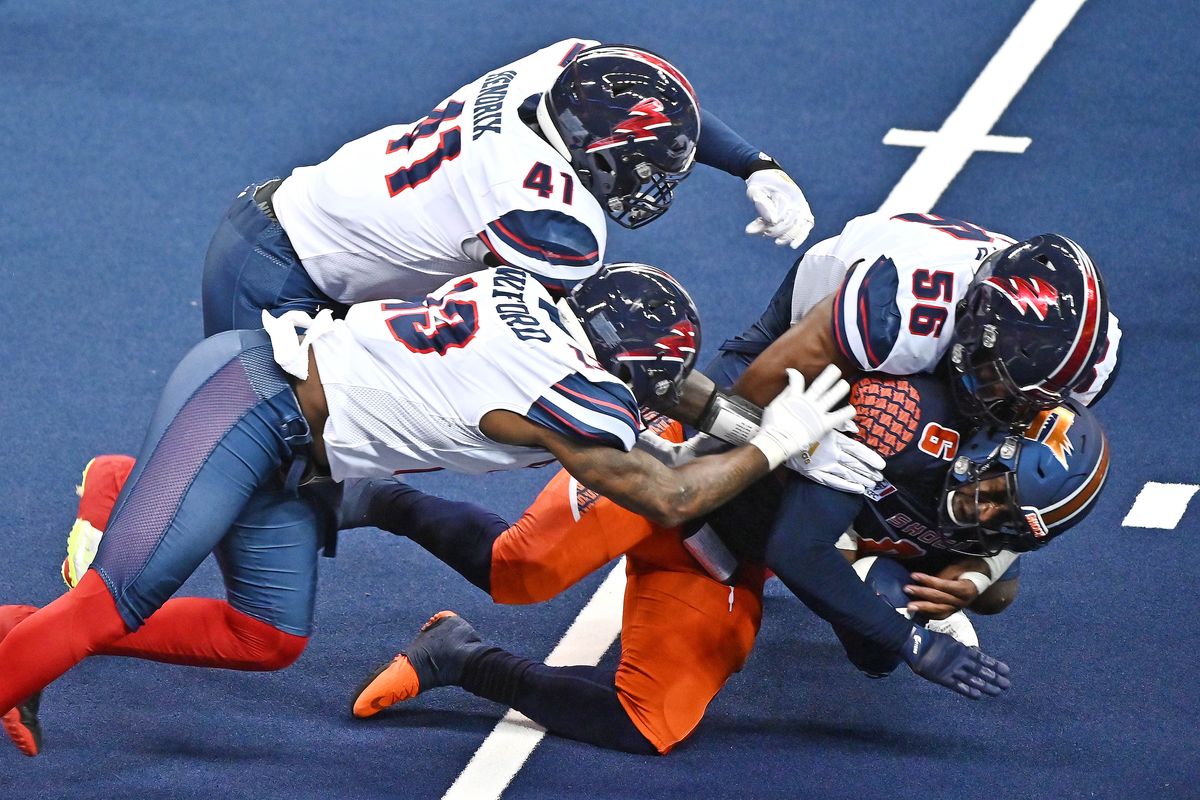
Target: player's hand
(783, 212)
(676, 454)
(941, 659)
(798, 417)
(841, 463)
(938, 598)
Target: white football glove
(676, 454)
(783, 212)
(798, 417)
(841, 463)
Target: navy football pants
(209, 478)
(250, 266)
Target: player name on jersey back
(408, 382)
(398, 211)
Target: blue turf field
(127, 128)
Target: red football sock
(53, 639)
(199, 632)
(10, 616)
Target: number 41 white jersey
(407, 383)
(895, 309)
(399, 211)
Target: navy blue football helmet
(1017, 490)
(643, 328)
(628, 122)
(1032, 327)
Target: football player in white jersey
(484, 374)
(1018, 326)
(522, 167)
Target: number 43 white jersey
(407, 383)
(398, 211)
(895, 309)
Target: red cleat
(21, 723)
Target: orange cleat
(434, 658)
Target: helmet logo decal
(678, 345)
(1032, 294)
(1036, 525)
(646, 115)
(1051, 428)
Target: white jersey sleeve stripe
(578, 408)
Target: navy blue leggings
(209, 477)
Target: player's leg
(21, 722)
(250, 265)
(269, 563)
(579, 702)
(103, 478)
(566, 534)
(683, 634)
(218, 435)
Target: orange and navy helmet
(1031, 327)
(1017, 490)
(628, 121)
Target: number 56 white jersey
(398, 211)
(902, 278)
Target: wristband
(730, 418)
(771, 447)
(981, 581)
(761, 162)
(714, 555)
(999, 563)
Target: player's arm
(806, 347)
(783, 211)
(958, 585)
(795, 420)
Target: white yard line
(968, 128)
(506, 748)
(1160, 505)
(944, 153)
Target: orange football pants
(683, 634)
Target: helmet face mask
(643, 328)
(1018, 490)
(628, 122)
(979, 514)
(1032, 326)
